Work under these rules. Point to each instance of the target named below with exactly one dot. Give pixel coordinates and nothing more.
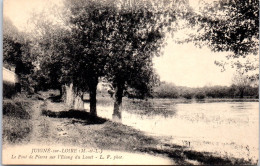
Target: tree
(114, 41)
(73, 54)
(139, 33)
(90, 23)
(55, 47)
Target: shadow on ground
(79, 116)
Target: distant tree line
(169, 90)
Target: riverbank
(53, 123)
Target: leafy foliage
(133, 44)
(230, 25)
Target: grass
(120, 137)
(16, 130)
(16, 120)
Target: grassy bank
(16, 120)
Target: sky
(187, 65)
(181, 64)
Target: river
(226, 128)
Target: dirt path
(40, 124)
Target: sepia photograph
(130, 82)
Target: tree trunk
(78, 101)
(117, 104)
(68, 95)
(92, 97)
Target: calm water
(226, 128)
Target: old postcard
(140, 82)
